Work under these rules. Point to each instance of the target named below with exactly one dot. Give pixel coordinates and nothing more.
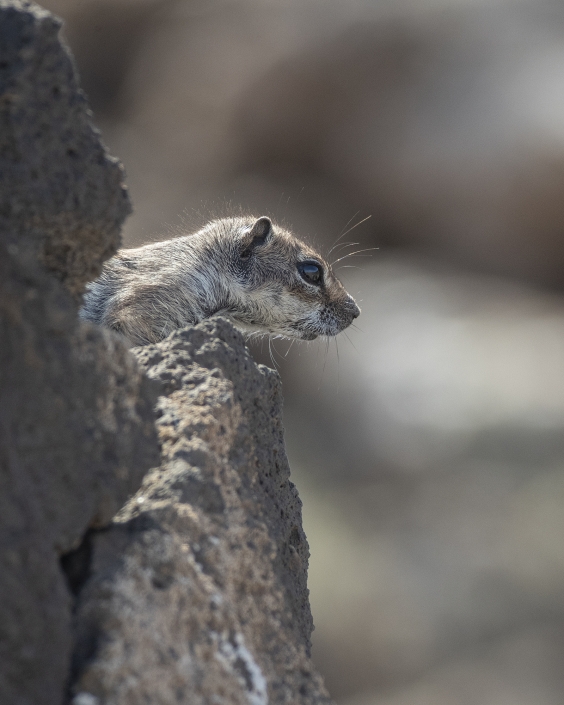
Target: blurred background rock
(429, 449)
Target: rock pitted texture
(76, 421)
(198, 589)
(76, 436)
(59, 186)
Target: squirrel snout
(353, 308)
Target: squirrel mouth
(308, 336)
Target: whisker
(357, 252)
(343, 244)
(349, 221)
(360, 222)
(277, 337)
(343, 232)
(348, 231)
(338, 366)
(324, 362)
(350, 341)
(271, 356)
(290, 347)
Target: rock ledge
(198, 588)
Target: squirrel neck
(203, 284)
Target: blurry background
(429, 448)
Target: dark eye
(311, 272)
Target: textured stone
(62, 197)
(76, 422)
(76, 436)
(197, 592)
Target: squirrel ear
(261, 229)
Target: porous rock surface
(76, 436)
(194, 590)
(76, 421)
(197, 592)
(59, 186)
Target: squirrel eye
(311, 272)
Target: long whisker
(277, 337)
(349, 221)
(357, 252)
(346, 244)
(348, 231)
(324, 362)
(342, 235)
(271, 355)
(350, 341)
(342, 246)
(338, 366)
(290, 346)
(360, 222)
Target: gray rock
(62, 196)
(76, 436)
(76, 422)
(198, 589)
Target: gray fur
(245, 269)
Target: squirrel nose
(354, 309)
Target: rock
(62, 195)
(76, 436)
(197, 592)
(76, 423)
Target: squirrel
(252, 272)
